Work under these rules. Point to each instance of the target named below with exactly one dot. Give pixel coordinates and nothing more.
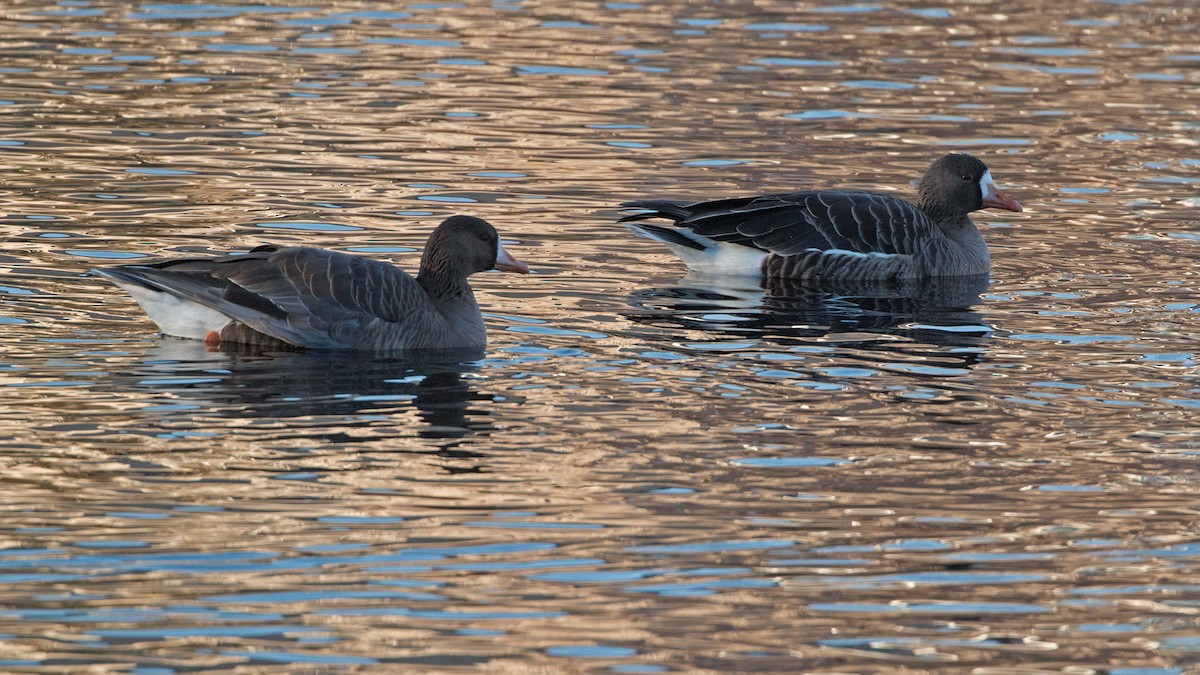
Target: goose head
(957, 184)
(464, 245)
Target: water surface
(646, 471)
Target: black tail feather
(656, 208)
(667, 236)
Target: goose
(318, 299)
(831, 235)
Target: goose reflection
(247, 383)
(938, 311)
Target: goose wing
(792, 223)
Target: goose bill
(994, 198)
(507, 263)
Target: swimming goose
(307, 297)
(837, 234)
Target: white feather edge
(174, 315)
(717, 257)
(852, 254)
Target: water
(646, 471)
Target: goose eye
(965, 177)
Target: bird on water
(836, 235)
(318, 299)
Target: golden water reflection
(646, 471)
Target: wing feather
(792, 223)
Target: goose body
(317, 299)
(836, 234)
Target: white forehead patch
(986, 185)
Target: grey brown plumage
(313, 298)
(837, 234)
